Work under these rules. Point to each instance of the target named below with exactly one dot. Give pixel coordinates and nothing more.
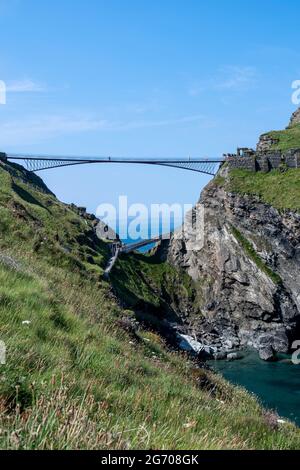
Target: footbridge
(34, 163)
(118, 248)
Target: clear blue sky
(169, 78)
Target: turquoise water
(153, 230)
(277, 384)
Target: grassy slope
(32, 217)
(146, 280)
(74, 378)
(287, 138)
(281, 190)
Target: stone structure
(248, 159)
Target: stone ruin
(264, 158)
(265, 161)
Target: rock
(189, 344)
(233, 356)
(295, 119)
(12, 263)
(278, 342)
(129, 325)
(266, 143)
(220, 355)
(267, 354)
(238, 300)
(281, 342)
(228, 344)
(104, 232)
(264, 341)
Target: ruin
(265, 161)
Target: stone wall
(266, 161)
(245, 163)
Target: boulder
(189, 344)
(267, 354)
(220, 355)
(264, 341)
(233, 356)
(280, 342)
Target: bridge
(34, 163)
(118, 247)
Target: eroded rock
(240, 300)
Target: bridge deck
(116, 249)
(45, 162)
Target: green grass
(219, 180)
(74, 377)
(249, 249)
(32, 217)
(287, 139)
(281, 190)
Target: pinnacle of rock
(295, 118)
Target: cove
(276, 384)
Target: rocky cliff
(248, 270)
(295, 119)
(285, 139)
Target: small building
(245, 152)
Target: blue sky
(143, 79)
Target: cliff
(248, 270)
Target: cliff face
(295, 119)
(248, 271)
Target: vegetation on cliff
(280, 189)
(77, 374)
(286, 139)
(147, 282)
(253, 255)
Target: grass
(279, 189)
(75, 377)
(219, 180)
(249, 249)
(286, 139)
(32, 217)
